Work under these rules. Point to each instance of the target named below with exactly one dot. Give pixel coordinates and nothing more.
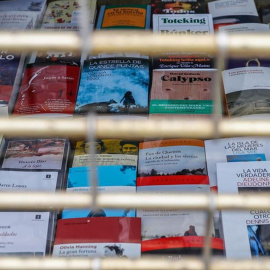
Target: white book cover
(24, 233)
(247, 91)
(237, 8)
(28, 181)
(234, 150)
(17, 20)
(246, 233)
(245, 27)
(183, 24)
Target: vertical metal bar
(207, 251)
(222, 46)
(91, 137)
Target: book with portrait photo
(98, 237)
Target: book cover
(114, 86)
(22, 181)
(117, 178)
(178, 7)
(108, 152)
(98, 237)
(245, 27)
(182, 92)
(246, 233)
(227, 12)
(185, 24)
(48, 89)
(35, 154)
(25, 233)
(17, 20)
(124, 17)
(237, 149)
(247, 92)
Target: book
(227, 12)
(25, 233)
(116, 178)
(186, 24)
(135, 17)
(48, 90)
(237, 149)
(98, 237)
(245, 27)
(114, 86)
(109, 152)
(35, 154)
(246, 233)
(265, 14)
(182, 92)
(247, 92)
(47, 181)
(178, 7)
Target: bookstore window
(127, 145)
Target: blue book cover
(116, 178)
(114, 86)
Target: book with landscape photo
(98, 237)
(114, 86)
(246, 233)
(110, 179)
(247, 92)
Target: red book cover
(48, 89)
(98, 237)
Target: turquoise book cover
(116, 178)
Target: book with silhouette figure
(175, 166)
(114, 86)
(114, 178)
(98, 237)
(48, 89)
(246, 233)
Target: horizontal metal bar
(58, 201)
(244, 45)
(151, 263)
(136, 129)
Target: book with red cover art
(48, 89)
(98, 237)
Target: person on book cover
(191, 231)
(129, 147)
(97, 213)
(113, 251)
(128, 100)
(100, 147)
(254, 241)
(175, 7)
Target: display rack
(221, 46)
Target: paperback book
(178, 7)
(25, 233)
(135, 17)
(108, 152)
(246, 233)
(182, 92)
(35, 154)
(98, 237)
(247, 92)
(114, 86)
(48, 90)
(227, 12)
(116, 178)
(236, 149)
